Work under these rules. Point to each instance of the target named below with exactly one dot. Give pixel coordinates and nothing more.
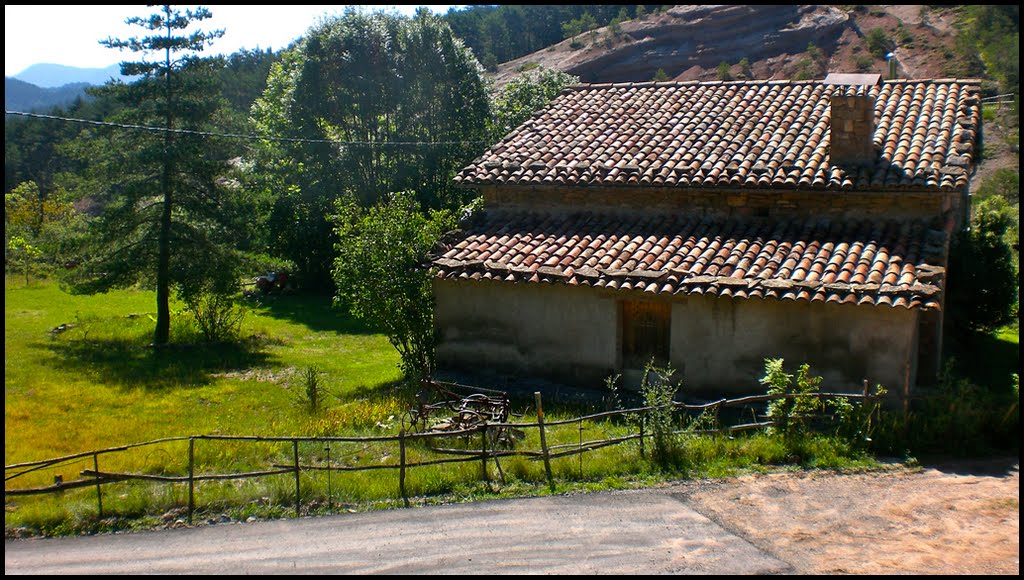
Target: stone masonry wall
(735, 203)
(853, 127)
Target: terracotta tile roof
(754, 134)
(859, 262)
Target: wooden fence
(95, 477)
(999, 100)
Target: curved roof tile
(813, 259)
(751, 134)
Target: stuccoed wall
(718, 345)
(558, 332)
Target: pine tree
(166, 219)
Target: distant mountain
(49, 76)
(22, 96)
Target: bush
(790, 414)
(1004, 183)
(724, 71)
(878, 43)
(216, 315)
(658, 392)
(863, 62)
(982, 276)
(383, 275)
(960, 417)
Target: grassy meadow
(98, 384)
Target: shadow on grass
(131, 365)
(986, 360)
(400, 387)
(316, 311)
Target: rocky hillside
(697, 42)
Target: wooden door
(645, 333)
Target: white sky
(70, 35)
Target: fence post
(191, 478)
(401, 468)
(544, 441)
(99, 494)
(330, 495)
(295, 451)
(643, 421)
(483, 454)
(580, 448)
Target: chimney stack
(853, 120)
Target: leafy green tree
(26, 209)
(377, 103)
(37, 227)
(382, 272)
(523, 95)
(22, 251)
(988, 40)
(983, 282)
(790, 413)
(166, 218)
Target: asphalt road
(649, 531)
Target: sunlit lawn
(99, 385)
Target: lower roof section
(898, 263)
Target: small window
(645, 333)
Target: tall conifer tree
(166, 217)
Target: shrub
(313, 388)
(383, 274)
(982, 276)
(863, 62)
(960, 417)
(1003, 183)
(658, 392)
(878, 42)
(724, 71)
(745, 71)
(216, 315)
(791, 413)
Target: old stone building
(713, 225)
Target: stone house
(712, 225)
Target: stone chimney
(853, 119)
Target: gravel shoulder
(952, 518)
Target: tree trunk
(163, 266)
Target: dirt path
(945, 519)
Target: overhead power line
(240, 136)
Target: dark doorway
(645, 333)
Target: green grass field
(99, 384)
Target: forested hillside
(22, 96)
